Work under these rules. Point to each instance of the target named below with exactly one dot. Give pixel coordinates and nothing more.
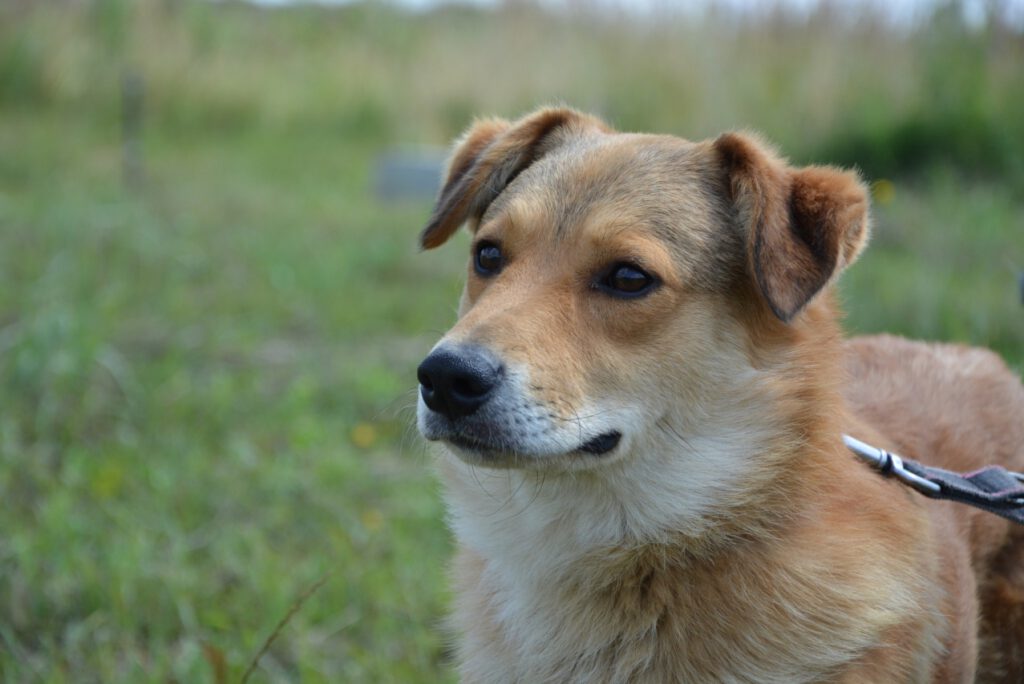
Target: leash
(993, 489)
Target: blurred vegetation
(206, 383)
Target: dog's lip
(598, 446)
(472, 443)
(602, 444)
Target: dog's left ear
(804, 226)
(489, 156)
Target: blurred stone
(409, 174)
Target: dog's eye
(625, 280)
(488, 260)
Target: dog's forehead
(661, 186)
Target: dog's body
(648, 367)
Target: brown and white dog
(643, 401)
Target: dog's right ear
(488, 157)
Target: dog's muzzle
(480, 406)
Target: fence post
(132, 94)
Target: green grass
(206, 385)
(943, 265)
(207, 392)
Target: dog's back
(958, 408)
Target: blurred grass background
(206, 376)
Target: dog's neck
(562, 562)
(543, 522)
(539, 524)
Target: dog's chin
(478, 453)
(500, 455)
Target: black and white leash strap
(992, 488)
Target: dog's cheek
(688, 353)
(629, 323)
(627, 344)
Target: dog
(642, 406)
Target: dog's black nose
(456, 381)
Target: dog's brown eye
(488, 260)
(625, 280)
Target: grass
(203, 414)
(206, 383)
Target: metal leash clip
(891, 464)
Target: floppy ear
(488, 157)
(804, 226)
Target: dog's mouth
(602, 444)
(598, 446)
(473, 444)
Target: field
(207, 374)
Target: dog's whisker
(511, 496)
(663, 424)
(476, 478)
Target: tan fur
(730, 536)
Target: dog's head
(621, 286)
